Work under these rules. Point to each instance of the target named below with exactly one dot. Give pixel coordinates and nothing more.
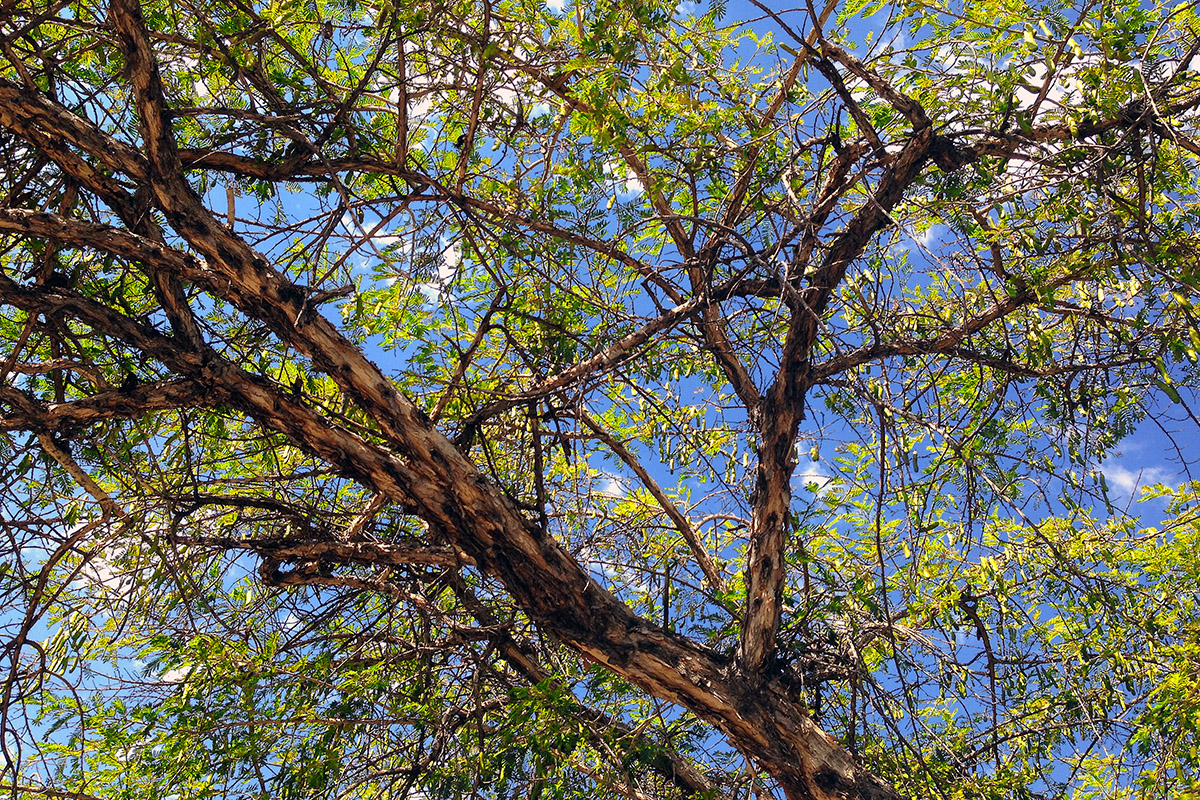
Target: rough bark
(414, 464)
(409, 461)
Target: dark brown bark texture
(407, 460)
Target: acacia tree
(489, 398)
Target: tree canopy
(498, 398)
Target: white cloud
(923, 240)
(431, 291)
(897, 42)
(628, 182)
(448, 263)
(506, 95)
(811, 472)
(860, 91)
(176, 675)
(178, 62)
(612, 487)
(930, 235)
(420, 103)
(1063, 88)
(1126, 482)
(421, 108)
(103, 577)
(388, 239)
(555, 6)
(377, 237)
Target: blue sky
(1147, 456)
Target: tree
(492, 398)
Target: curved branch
(126, 404)
(553, 589)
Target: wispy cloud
(1127, 482)
(811, 473)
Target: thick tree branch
(23, 110)
(407, 461)
(783, 408)
(553, 588)
(908, 107)
(62, 455)
(361, 552)
(783, 404)
(124, 404)
(524, 661)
